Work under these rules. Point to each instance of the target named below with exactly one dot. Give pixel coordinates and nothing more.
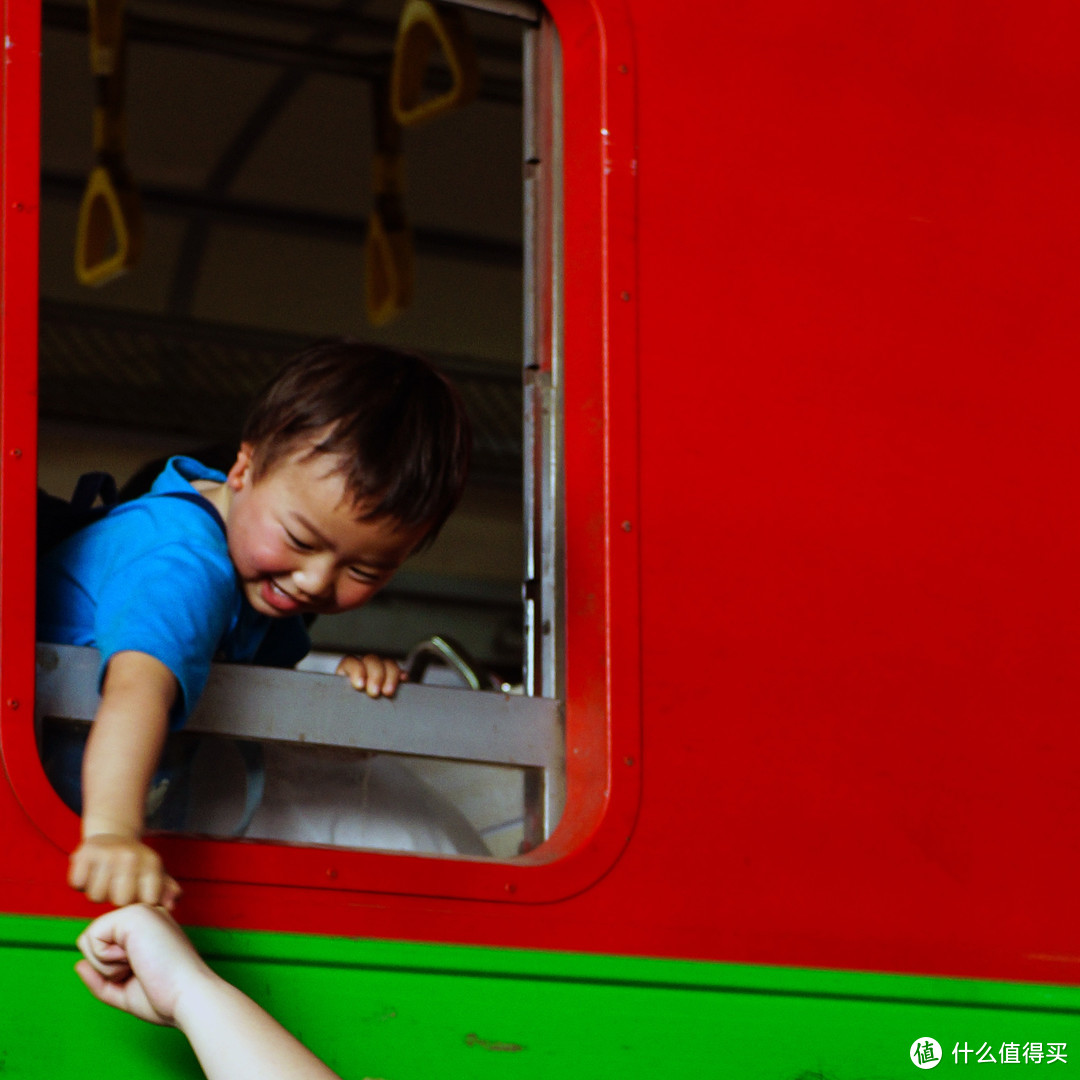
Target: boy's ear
(240, 473)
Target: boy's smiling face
(296, 541)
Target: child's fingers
(383, 676)
(150, 885)
(375, 667)
(170, 893)
(99, 883)
(392, 676)
(121, 872)
(124, 886)
(372, 674)
(352, 668)
(86, 872)
(156, 887)
(79, 869)
(116, 880)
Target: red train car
(801, 286)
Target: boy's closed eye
(296, 542)
(368, 577)
(359, 574)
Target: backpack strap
(92, 486)
(58, 518)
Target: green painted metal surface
(408, 1011)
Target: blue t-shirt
(154, 576)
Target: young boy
(351, 460)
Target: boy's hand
(372, 674)
(138, 959)
(121, 870)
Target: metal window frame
(544, 496)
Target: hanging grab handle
(423, 26)
(110, 208)
(388, 264)
(388, 255)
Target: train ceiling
(251, 139)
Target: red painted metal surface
(821, 343)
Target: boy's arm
(138, 960)
(122, 753)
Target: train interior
(256, 190)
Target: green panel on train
(408, 1011)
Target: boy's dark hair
(398, 423)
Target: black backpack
(94, 496)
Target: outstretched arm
(122, 752)
(138, 959)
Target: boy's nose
(314, 579)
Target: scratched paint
(489, 1044)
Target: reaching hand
(121, 869)
(137, 958)
(372, 674)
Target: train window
(261, 175)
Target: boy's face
(295, 540)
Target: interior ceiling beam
(282, 342)
(266, 50)
(384, 30)
(149, 370)
(228, 167)
(225, 210)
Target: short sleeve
(173, 603)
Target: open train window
(256, 194)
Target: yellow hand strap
(423, 26)
(110, 208)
